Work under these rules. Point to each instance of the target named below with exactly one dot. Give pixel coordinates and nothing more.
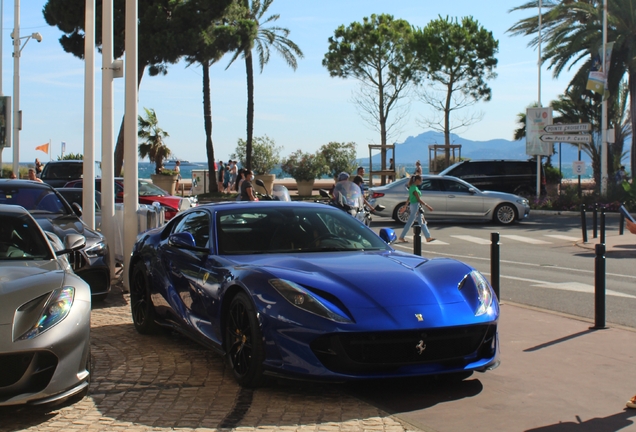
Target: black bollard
(603, 225)
(621, 224)
(583, 223)
(417, 239)
(595, 221)
(494, 263)
(599, 287)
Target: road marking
(568, 286)
(525, 239)
(563, 237)
(472, 239)
(433, 243)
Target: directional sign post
(569, 138)
(574, 127)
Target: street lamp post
(17, 49)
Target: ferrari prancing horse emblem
(419, 317)
(420, 347)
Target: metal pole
(604, 108)
(417, 239)
(131, 187)
(495, 263)
(583, 223)
(602, 240)
(595, 221)
(621, 224)
(599, 287)
(88, 189)
(2, 94)
(16, 89)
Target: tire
(401, 217)
(505, 214)
(141, 307)
(243, 342)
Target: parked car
(513, 176)
(54, 214)
(44, 314)
(451, 198)
(58, 173)
(75, 196)
(148, 194)
(304, 290)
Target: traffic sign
(578, 167)
(568, 138)
(574, 127)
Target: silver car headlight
(97, 249)
(56, 308)
(524, 202)
(304, 299)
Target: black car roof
(25, 183)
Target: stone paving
(167, 382)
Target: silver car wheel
(505, 214)
(402, 217)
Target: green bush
(265, 154)
(339, 157)
(305, 166)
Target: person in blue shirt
(415, 200)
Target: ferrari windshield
(20, 238)
(292, 229)
(34, 199)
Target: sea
(147, 168)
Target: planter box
(165, 182)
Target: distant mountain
(416, 148)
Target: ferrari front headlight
(304, 299)
(484, 292)
(56, 308)
(97, 249)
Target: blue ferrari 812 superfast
(306, 291)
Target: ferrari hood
(371, 279)
(24, 282)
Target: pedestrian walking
(220, 175)
(39, 166)
(391, 168)
(233, 174)
(418, 168)
(247, 191)
(226, 178)
(177, 168)
(415, 199)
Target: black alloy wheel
(143, 312)
(243, 342)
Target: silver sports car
(451, 198)
(44, 314)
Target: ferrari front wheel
(243, 342)
(143, 312)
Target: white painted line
(564, 237)
(424, 242)
(472, 239)
(568, 286)
(525, 239)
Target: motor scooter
(348, 197)
(278, 193)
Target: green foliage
(552, 174)
(380, 53)
(265, 154)
(152, 144)
(71, 156)
(305, 166)
(8, 169)
(339, 157)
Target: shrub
(339, 157)
(305, 166)
(265, 154)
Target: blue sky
(299, 110)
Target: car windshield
(34, 199)
(63, 170)
(20, 239)
(290, 229)
(148, 189)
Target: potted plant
(265, 157)
(305, 168)
(152, 146)
(552, 178)
(339, 157)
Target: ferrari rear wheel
(243, 342)
(143, 312)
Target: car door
(460, 201)
(433, 196)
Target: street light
(17, 49)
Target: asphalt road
(541, 264)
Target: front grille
(27, 372)
(97, 279)
(385, 351)
(78, 260)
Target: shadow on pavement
(612, 423)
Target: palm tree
(573, 30)
(152, 135)
(264, 38)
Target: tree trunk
(207, 120)
(383, 118)
(249, 71)
(119, 148)
(449, 93)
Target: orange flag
(44, 148)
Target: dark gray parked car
(54, 214)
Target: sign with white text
(574, 127)
(567, 138)
(536, 120)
